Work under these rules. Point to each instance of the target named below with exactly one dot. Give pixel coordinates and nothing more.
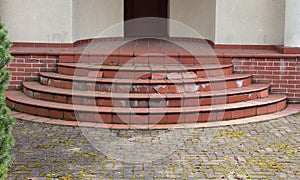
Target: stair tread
(35, 86)
(58, 76)
(152, 68)
(19, 97)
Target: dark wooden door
(146, 18)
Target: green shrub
(6, 121)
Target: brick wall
(27, 68)
(282, 73)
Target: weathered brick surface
(27, 67)
(283, 74)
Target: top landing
(149, 46)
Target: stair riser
(121, 74)
(152, 118)
(162, 88)
(144, 59)
(146, 102)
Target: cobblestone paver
(266, 150)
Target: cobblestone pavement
(266, 150)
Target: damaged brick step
(134, 100)
(143, 85)
(142, 58)
(18, 101)
(175, 71)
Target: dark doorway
(143, 18)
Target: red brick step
(143, 72)
(141, 58)
(47, 93)
(20, 102)
(144, 85)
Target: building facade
(230, 22)
(254, 67)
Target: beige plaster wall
(250, 22)
(92, 18)
(38, 20)
(222, 21)
(196, 14)
(292, 23)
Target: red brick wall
(27, 67)
(282, 73)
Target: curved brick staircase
(147, 89)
